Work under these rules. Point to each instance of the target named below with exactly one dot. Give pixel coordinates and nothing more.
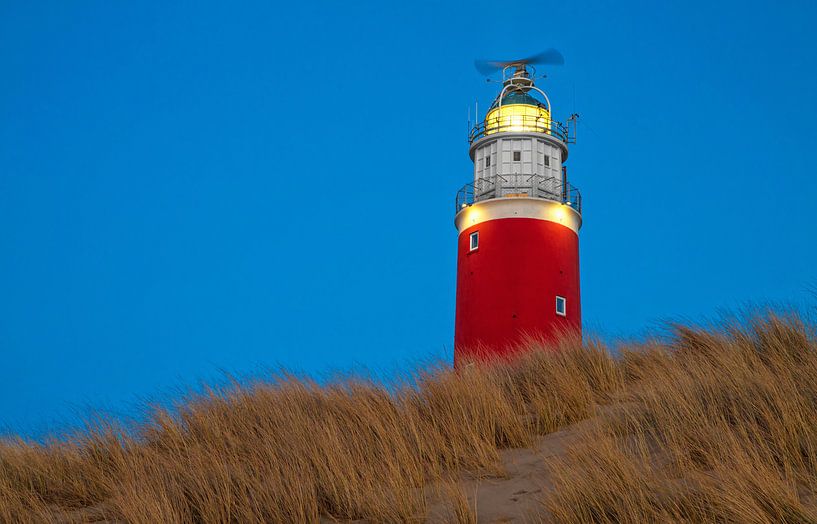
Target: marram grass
(711, 425)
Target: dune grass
(290, 450)
(714, 424)
(720, 425)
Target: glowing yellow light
(517, 118)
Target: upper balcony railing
(519, 186)
(521, 124)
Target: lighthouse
(517, 223)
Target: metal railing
(520, 124)
(510, 186)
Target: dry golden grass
(720, 426)
(292, 451)
(712, 425)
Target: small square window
(474, 240)
(561, 306)
(547, 160)
(487, 161)
(517, 156)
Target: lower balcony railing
(509, 186)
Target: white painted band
(535, 208)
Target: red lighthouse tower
(518, 224)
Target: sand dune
(705, 425)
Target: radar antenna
(547, 57)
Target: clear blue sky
(209, 186)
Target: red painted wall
(508, 286)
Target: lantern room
(517, 112)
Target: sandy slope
(517, 496)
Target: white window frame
(473, 246)
(562, 313)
